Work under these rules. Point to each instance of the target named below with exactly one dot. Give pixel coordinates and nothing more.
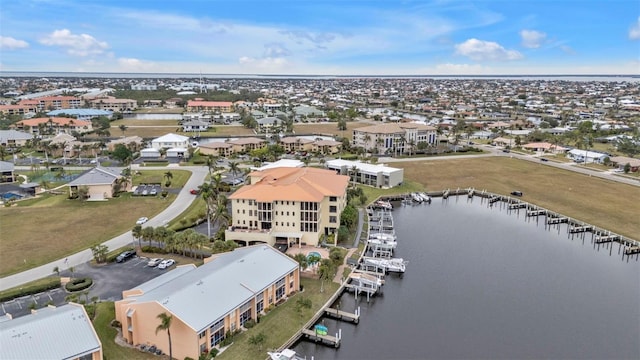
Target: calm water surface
(489, 283)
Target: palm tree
(165, 324)
(233, 167)
(168, 175)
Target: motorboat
(286, 354)
(425, 197)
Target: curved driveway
(180, 204)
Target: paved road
(181, 203)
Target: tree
(168, 176)
(100, 253)
(165, 324)
(258, 340)
(121, 153)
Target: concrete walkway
(180, 204)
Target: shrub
(79, 284)
(17, 292)
(249, 324)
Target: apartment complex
(394, 138)
(54, 125)
(209, 106)
(63, 332)
(207, 301)
(287, 206)
(376, 175)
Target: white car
(154, 262)
(142, 220)
(166, 264)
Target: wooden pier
(557, 220)
(601, 239)
(325, 339)
(536, 212)
(580, 229)
(343, 315)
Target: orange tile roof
(293, 184)
(56, 120)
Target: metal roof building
(63, 332)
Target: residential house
(63, 332)
(376, 175)
(288, 205)
(393, 138)
(14, 138)
(7, 172)
(544, 147)
(585, 156)
(170, 141)
(101, 183)
(207, 302)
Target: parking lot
(147, 190)
(108, 283)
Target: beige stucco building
(287, 206)
(208, 301)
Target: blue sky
(382, 37)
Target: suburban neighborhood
(181, 213)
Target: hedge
(14, 293)
(78, 284)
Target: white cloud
(532, 39)
(634, 32)
(10, 43)
(481, 50)
(79, 45)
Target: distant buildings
(207, 302)
(376, 175)
(393, 138)
(287, 206)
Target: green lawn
(50, 227)
(280, 323)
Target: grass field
(610, 205)
(281, 323)
(51, 227)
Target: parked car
(142, 220)
(125, 256)
(516, 193)
(164, 264)
(154, 262)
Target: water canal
(486, 282)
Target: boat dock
(343, 315)
(325, 339)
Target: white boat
(381, 244)
(381, 204)
(392, 265)
(382, 236)
(416, 197)
(425, 197)
(286, 354)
